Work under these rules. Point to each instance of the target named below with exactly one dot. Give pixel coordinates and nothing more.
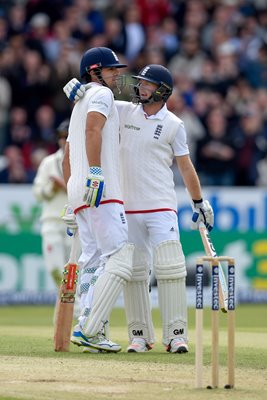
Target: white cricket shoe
(138, 345)
(98, 342)
(77, 336)
(177, 345)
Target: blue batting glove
(74, 90)
(202, 212)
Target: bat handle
(74, 248)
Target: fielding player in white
(151, 137)
(92, 172)
(50, 189)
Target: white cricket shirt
(148, 146)
(99, 99)
(52, 201)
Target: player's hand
(69, 218)
(202, 212)
(94, 187)
(74, 90)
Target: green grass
(26, 339)
(29, 331)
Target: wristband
(197, 202)
(95, 170)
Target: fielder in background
(92, 173)
(151, 137)
(50, 189)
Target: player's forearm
(190, 177)
(94, 125)
(93, 147)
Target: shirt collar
(160, 114)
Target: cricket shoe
(98, 342)
(138, 345)
(177, 346)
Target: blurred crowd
(216, 51)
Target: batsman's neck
(153, 109)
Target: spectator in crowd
(188, 62)
(19, 133)
(17, 20)
(251, 143)
(44, 127)
(14, 170)
(216, 153)
(135, 35)
(255, 71)
(5, 104)
(194, 128)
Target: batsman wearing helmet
(92, 172)
(151, 138)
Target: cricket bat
(211, 252)
(66, 299)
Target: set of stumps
(215, 309)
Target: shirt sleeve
(120, 105)
(101, 102)
(179, 144)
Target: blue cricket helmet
(159, 75)
(97, 58)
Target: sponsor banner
(241, 209)
(238, 209)
(240, 232)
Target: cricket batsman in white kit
(92, 170)
(151, 137)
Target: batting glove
(202, 212)
(69, 218)
(94, 187)
(74, 90)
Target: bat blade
(211, 252)
(65, 302)
(63, 326)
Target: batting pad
(137, 301)
(118, 269)
(169, 260)
(170, 271)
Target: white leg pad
(170, 271)
(118, 270)
(137, 301)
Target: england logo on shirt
(158, 131)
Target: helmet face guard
(155, 74)
(162, 93)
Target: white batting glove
(94, 187)
(202, 212)
(74, 90)
(69, 218)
